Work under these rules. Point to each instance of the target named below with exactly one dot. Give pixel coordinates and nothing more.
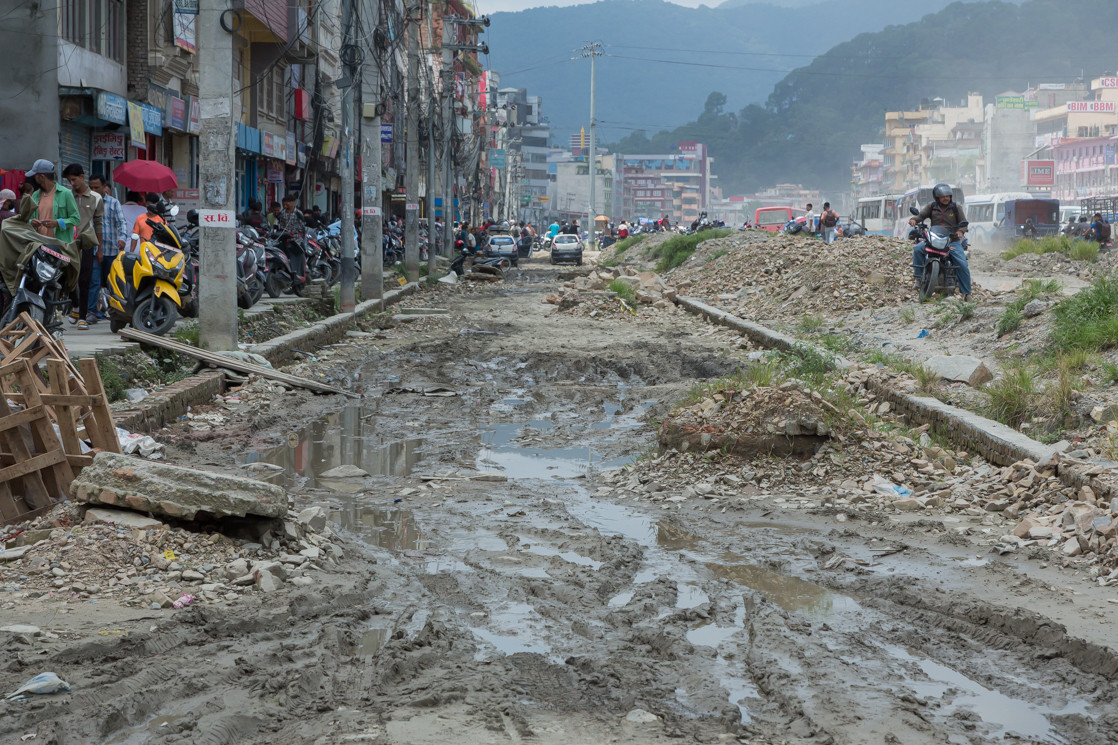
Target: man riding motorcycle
(944, 211)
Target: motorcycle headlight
(45, 272)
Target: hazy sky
(486, 7)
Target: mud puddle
(344, 438)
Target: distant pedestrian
(809, 219)
(114, 228)
(91, 211)
(273, 212)
(828, 219)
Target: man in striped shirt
(114, 231)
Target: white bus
(985, 212)
(876, 214)
(918, 198)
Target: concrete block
(164, 489)
(962, 369)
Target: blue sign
(153, 120)
(112, 108)
(497, 157)
(386, 133)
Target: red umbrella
(145, 175)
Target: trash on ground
(41, 684)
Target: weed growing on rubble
(806, 363)
(927, 380)
(754, 375)
(908, 314)
(624, 245)
(1073, 248)
(809, 325)
(1089, 319)
(890, 360)
(624, 290)
(837, 343)
(186, 332)
(1109, 373)
(953, 312)
(678, 249)
(1013, 395)
(1013, 314)
(609, 263)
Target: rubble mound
(595, 295)
(774, 274)
(780, 421)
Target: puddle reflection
(790, 593)
(392, 529)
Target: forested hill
(812, 124)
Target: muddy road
(534, 609)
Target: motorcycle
(145, 286)
(938, 273)
(39, 293)
(287, 266)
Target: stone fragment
(178, 492)
(640, 716)
(1034, 308)
(961, 369)
(123, 518)
(908, 505)
(1071, 547)
(345, 472)
(1040, 532)
(189, 575)
(267, 580)
(1024, 527)
(313, 518)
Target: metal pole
(591, 158)
(346, 297)
(411, 181)
(372, 249)
(220, 110)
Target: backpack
(1104, 231)
(830, 219)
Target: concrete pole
(591, 158)
(372, 250)
(450, 128)
(411, 157)
(432, 251)
(347, 299)
(220, 111)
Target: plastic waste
(183, 601)
(41, 684)
(145, 445)
(923, 333)
(887, 488)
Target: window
(96, 25)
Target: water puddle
(500, 452)
(509, 631)
(344, 438)
(569, 556)
(371, 641)
(710, 635)
(689, 596)
(389, 528)
(790, 593)
(954, 691)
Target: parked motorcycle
(39, 293)
(286, 260)
(145, 285)
(938, 273)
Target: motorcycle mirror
(913, 210)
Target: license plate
(55, 254)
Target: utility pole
(411, 181)
(220, 110)
(349, 57)
(450, 128)
(372, 249)
(592, 50)
(431, 151)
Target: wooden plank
(99, 425)
(10, 509)
(21, 418)
(67, 399)
(218, 360)
(44, 437)
(64, 414)
(35, 491)
(33, 464)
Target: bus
(985, 212)
(917, 198)
(876, 215)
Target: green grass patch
(1013, 395)
(755, 375)
(836, 342)
(186, 332)
(1089, 319)
(611, 262)
(809, 325)
(908, 314)
(719, 253)
(1032, 290)
(1073, 248)
(626, 243)
(623, 289)
(953, 312)
(677, 249)
(1109, 372)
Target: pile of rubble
(78, 555)
(591, 295)
(884, 468)
(764, 275)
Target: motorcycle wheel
(331, 273)
(256, 290)
(929, 280)
(276, 285)
(115, 325)
(155, 315)
(34, 312)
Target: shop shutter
(75, 145)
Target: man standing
(273, 212)
(291, 220)
(809, 220)
(113, 229)
(828, 219)
(56, 211)
(91, 211)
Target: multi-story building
(868, 174)
(676, 184)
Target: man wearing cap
(7, 204)
(56, 211)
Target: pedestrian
(114, 228)
(253, 217)
(809, 219)
(273, 212)
(828, 219)
(91, 211)
(292, 221)
(56, 210)
(151, 213)
(132, 207)
(7, 204)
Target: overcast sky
(485, 7)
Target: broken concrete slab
(345, 472)
(313, 519)
(123, 518)
(961, 369)
(174, 491)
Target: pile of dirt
(752, 421)
(769, 275)
(65, 556)
(620, 292)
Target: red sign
(1040, 172)
(217, 218)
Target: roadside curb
(171, 402)
(995, 441)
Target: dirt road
(537, 609)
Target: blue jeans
(957, 257)
(100, 270)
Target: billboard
(1091, 107)
(1040, 172)
(1108, 82)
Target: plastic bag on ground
(145, 445)
(43, 683)
(886, 487)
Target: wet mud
(526, 609)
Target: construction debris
(47, 430)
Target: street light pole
(411, 181)
(592, 50)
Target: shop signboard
(386, 133)
(1040, 172)
(136, 125)
(290, 151)
(1091, 107)
(269, 148)
(112, 108)
(194, 126)
(185, 16)
(176, 113)
(109, 146)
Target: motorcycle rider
(943, 210)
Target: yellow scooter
(143, 285)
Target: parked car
(566, 248)
(503, 246)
